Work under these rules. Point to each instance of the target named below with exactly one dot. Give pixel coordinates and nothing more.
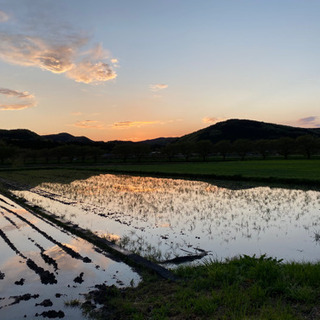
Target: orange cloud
(16, 106)
(88, 72)
(89, 124)
(27, 99)
(212, 120)
(3, 16)
(130, 124)
(158, 87)
(63, 56)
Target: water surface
(172, 217)
(41, 262)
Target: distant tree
(262, 147)
(123, 151)
(242, 147)
(45, 154)
(95, 152)
(186, 149)
(285, 146)
(204, 148)
(223, 147)
(308, 145)
(169, 150)
(140, 150)
(7, 152)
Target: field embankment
(305, 172)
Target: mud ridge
(79, 278)
(11, 245)
(2, 200)
(45, 303)
(65, 248)
(51, 314)
(46, 277)
(25, 297)
(48, 260)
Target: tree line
(202, 150)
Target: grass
(293, 171)
(281, 169)
(243, 288)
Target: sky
(136, 70)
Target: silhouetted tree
(223, 147)
(242, 147)
(263, 147)
(170, 150)
(204, 148)
(186, 149)
(285, 146)
(123, 151)
(308, 145)
(7, 152)
(140, 150)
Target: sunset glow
(135, 70)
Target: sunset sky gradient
(135, 70)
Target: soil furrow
(48, 260)
(65, 248)
(46, 276)
(11, 245)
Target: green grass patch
(293, 171)
(243, 288)
(282, 169)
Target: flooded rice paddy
(166, 218)
(43, 267)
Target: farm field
(168, 220)
(44, 268)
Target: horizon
(136, 71)
(161, 137)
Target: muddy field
(44, 268)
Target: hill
(65, 137)
(234, 129)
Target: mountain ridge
(231, 129)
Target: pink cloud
(28, 100)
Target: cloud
(89, 72)
(131, 124)
(158, 87)
(17, 94)
(3, 16)
(89, 124)
(114, 61)
(307, 120)
(62, 55)
(212, 120)
(27, 98)
(15, 106)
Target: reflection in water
(170, 217)
(41, 262)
